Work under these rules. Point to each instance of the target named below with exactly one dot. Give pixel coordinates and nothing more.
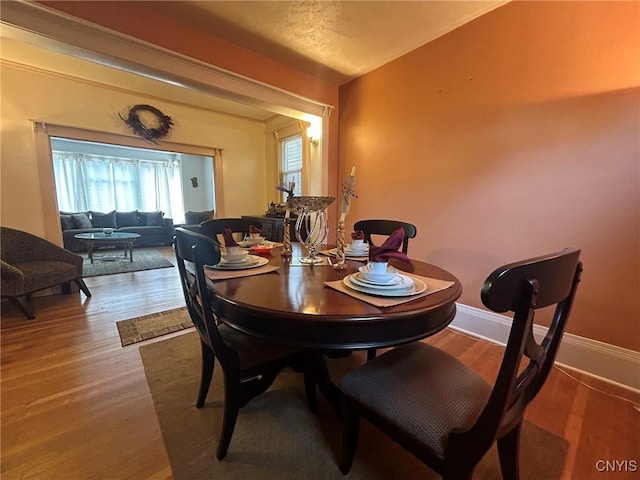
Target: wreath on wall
(159, 129)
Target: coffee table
(126, 240)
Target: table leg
(131, 251)
(90, 251)
(323, 380)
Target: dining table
(294, 304)
(309, 306)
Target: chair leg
(229, 417)
(83, 286)
(350, 432)
(21, 303)
(508, 451)
(206, 373)
(371, 354)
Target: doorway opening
(94, 176)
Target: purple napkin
(389, 249)
(357, 235)
(227, 236)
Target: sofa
(153, 227)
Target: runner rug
(277, 437)
(154, 325)
(108, 262)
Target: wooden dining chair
(442, 411)
(249, 365)
(385, 227)
(239, 226)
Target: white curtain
(101, 183)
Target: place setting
(381, 284)
(357, 250)
(253, 239)
(378, 278)
(236, 261)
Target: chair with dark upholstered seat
(443, 412)
(213, 228)
(249, 365)
(31, 263)
(385, 227)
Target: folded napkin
(227, 236)
(254, 229)
(389, 249)
(357, 235)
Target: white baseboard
(610, 363)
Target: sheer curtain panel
(102, 183)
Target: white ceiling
(333, 40)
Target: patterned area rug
(277, 437)
(139, 329)
(108, 262)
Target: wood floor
(75, 404)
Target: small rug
(277, 437)
(108, 262)
(139, 329)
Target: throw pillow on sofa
(151, 218)
(127, 219)
(81, 221)
(194, 218)
(104, 220)
(66, 221)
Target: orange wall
(513, 136)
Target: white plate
(362, 251)
(399, 281)
(378, 278)
(252, 262)
(418, 287)
(235, 258)
(349, 253)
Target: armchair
(31, 263)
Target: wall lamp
(313, 134)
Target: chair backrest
(214, 228)
(17, 246)
(386, 227)
(194, 251)
(523, 288)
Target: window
(105, 179)
(291, 162)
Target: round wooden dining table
(292, 305)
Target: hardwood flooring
(75, 404)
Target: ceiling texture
(334, 40)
